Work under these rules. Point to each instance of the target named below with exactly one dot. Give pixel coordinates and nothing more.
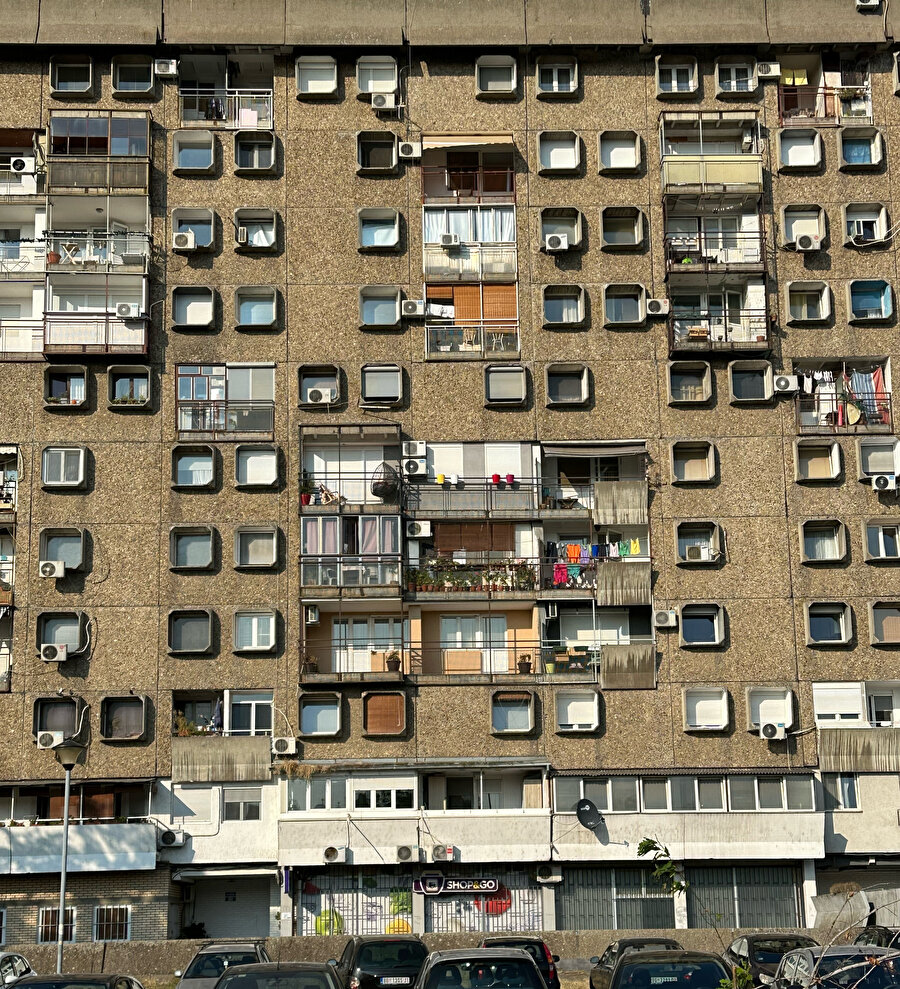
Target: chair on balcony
(329, 497)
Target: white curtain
(76, 389)
(261, 234)
(497, 224)
(821, 543)
(368, 535)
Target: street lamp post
(67, 756)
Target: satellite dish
(588, 815)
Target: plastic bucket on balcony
(53, 257)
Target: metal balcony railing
(225, 418)
(444, 575)
(688, 253)
(470, 262)
(474, 496)
(15, 184)
(80, 250)
(244, 109)
(8, 496)
(693, 174)
(351, 571)
(94, 333)
(566, 497)
(443, 184)
(100, 173)
(21, 336)
(829, 413)
(20, 258)
(338, 489)
(737, 329)
(472, 339)
(803, 105)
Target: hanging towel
(573, 552)
(585, 557)
(635, 547)
(573, 571)
(614, 551)
(560, 573)
(624, 548)
(595, 550)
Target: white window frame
(840, 704)
(726, 88)
(808, 214)
(505, 372)
(876, 148)
(712, 546)
(579, 371)
(567, 292)
(388, 217)
(334, 702)
(579, 696)
(95, 925)
(763, 699)
(667, 71)
(379, 292)
(377, 137)
(244, 293)
(242, 803)
(267, 222)
(886, 310)
(693, 445)
(834, 459)
(501, 696)
(256, 618)
(496, 62)
(865, 443)
(567, 140)
(846, 622)
(253, 699)
(187, 450)
(633, 213)
(790, 135)
(193, 139)
(764, 370)
(621, 139)
(43, 922)
(611, 290)
(270, 531)
(879, 221)
(66, 451)
(808, 289)
(840, 538)
(880, 524)
(686, 366)
(392, 786)
(372, 63)
(553, 64)
(690, 696)
(379, 401)
(838, 792)
(188, 216)
(75, 618)
(242, 451)
(329, 781)
(315, 61)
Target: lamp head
(68, 753)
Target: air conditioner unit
(384, 101)
(665, 619)
(312, 614)
(128, 310)
(658, 307)
(242, 235)
(414, 448)
(548, 874)
(768, 70)
(184, 241)
(884, 482)
(166, 68)
(449, 240)
(693, 554)
(334, 854)
(50, 739)
(443, 853)
(407, 853)
(171, 839)
(52, 653)
(772, 731)
(415, 467)
(52, 568)
(23, 165)
(418, 530)
(809, 242)
(413, 307)
(556, 242)
(410, 149)
(787, 384)
(284, 746)
(320, 396)
(868, 4)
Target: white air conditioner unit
(128, 310)
(884, 482)
(772, 731)
(242, 235)
(284, 746)
(665, 619)
(768, 70)
(449, 240)
(407, 853)
(384, 101)
(658, 307)
(695, 554)
(868, 4)
(52, 568)
(171, 839)
(410, 149)
(443, 853)
(413, 308)
(786, 384)
(415, 467)
(548, 874)
(414, 448)
(23, 165)
(320, 396)
(166, 68)
(859, 233)
(184, 241)
(312, 614)
(334, 854)
(418, 530)
(809, 242)
(50, 739)
(52, 653)
(556, 242)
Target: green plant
(306, 484)
(184, 728)
(665, 872)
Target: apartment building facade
(416, 421)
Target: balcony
(98, 174)
(473, 340)
(230, 109)
(470, 263)
(21, 258)
(829, 413)
(738, 330)
(351, 576)
(705, 175)
(15, 185)
(352, 491)
(800, 106)
(714, 253)
(505, 578)
(474, 497)
(458, 184)
(225, 420)
(94, 333)
(106, 847)
(126, 252)
(228, 758)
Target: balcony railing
(738, 329)
(474, 496)
(94, 333)
(15, 184)
(21, 336)
(73, 250)
(829, 413)
(471, 340)
(690, 253)
(100, 173)
(800, 106)
(20, 258)
(338, 490)
(567, 497)
(443, 575)
(244, 109)
(441, 184)
(225, 419)
(699, 174)
(351, 571)
(470, 262)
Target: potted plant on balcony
(306, 488)
(524, 663)
(392, 661)
(308, 663)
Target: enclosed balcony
(470, 262)
(473, 168)
(340, 553)
(21, 164)
(706, 251)
(96, 314)
(227, 402)
(471, 321)
(99, 151)
(450, 495)
(716, 321)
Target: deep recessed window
(379, 229)
(705, 708)
(319, 385)
(860, 148)
(621, 227)
(320, 714)
(63, 628)
(384, 713)
(504, 385)
(376, 74)
(123, 719)
(256, 466)
(316, 76)
(567, 384)
(194, 151)
(191, 547)
(808, 302)
(577, 710)
(802, 226)
(824, 541)
(65, 387)
(129, 387)
(884, 618)
(751, 381)
(864, 223)
(62, 467)
(563, 305)
(623, 305)
(192, 229)
(877, 456)
(56, 714)
(693, 463)
(255, 229)
(675, 77)
(557, 76)
(701, 625)
(63, 545)
(254, 631)
(495, 75)
(690, 382)
(828, 623)
(770, 705)
(193, 307)
(883, 540)
(376, 151)
(255, 307)
(132, 75)
(190, 631)
(620, 150)
(512, 712)
(254, 151)
(559, 151)
(561, 228)
(799, 149)
(697, 542)
(193, 467)
(870, 299)
(735, 78)
(379, 305)
(817, 461)
(382, 384)
(69, 76)
(256, 547)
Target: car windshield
(64, 983)
(648, 946)
(277, 980)
(684, 975)
(481, 975)
(770, 952)
(533, 949)
(854, 972)
(212, 964)
(392, 954)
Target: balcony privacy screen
(623, 583)
(628, 667)
(620, 503)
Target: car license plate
(395, 980)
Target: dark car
(80, 982)
(881, 937)
(280, 975)
(480, 968)
(543, 957)
(761, 953)
(372, 961)
(207, 966)
(13, 968)
(850, 966)
(604, 965)
(672, 969)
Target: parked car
(849, 966)
(604, 965)
(881, 937)
(682, 969)
(543, 958)
(761, 953)
(13, 968)
(283, 975)
(210, 962)
(374, 960)
(79, 982)
(480, 968)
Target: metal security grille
(610, 899)
(353, 901)
(112, 923)
(47, 921)
(516, 906)
(743, 896)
